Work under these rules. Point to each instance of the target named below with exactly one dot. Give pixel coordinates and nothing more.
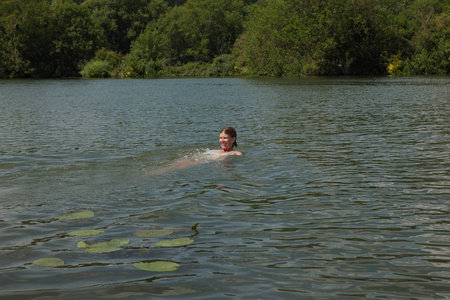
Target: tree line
(170, 38)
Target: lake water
(343, 191)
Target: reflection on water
(342, 192)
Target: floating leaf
(48, 262)
(153, 233)
(175, 242)
(82, 245)
(78, 215)
(111, 243)
(86, 232)
(157, 266)
(104, 247)
(101, 249)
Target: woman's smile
(226, 142)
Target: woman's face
(226, 141)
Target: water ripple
(342, 192)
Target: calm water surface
(343, 191)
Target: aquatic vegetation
(157, 266)
(175, 242)
(87, 232)
(48, 262)
(104, 247)
(153, 233)
(82, 245)
(116, 245)
(78, 215)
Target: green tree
(361, 37)
(75, 38)
(147, 47)
(44, 38)
(122, 20)
(274, 39)
(25, 35)
(175, 2)
(426, 25)
(210, 27)
(198, 31)
(300, 36)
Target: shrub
(97, 69)
(223, 65)
(152, 69)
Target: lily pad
(153, 233)
(157, 266)
(104, 247)
(86, 232)
(82, 245)
(111, 243)
(175, 242)
(48, 262)
(78, 215)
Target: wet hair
(231, 132)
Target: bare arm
(209, 156)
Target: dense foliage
(154, 38)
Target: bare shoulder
(237, 153)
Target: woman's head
(228, 138)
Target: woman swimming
(227, 140)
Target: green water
(343, 191)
